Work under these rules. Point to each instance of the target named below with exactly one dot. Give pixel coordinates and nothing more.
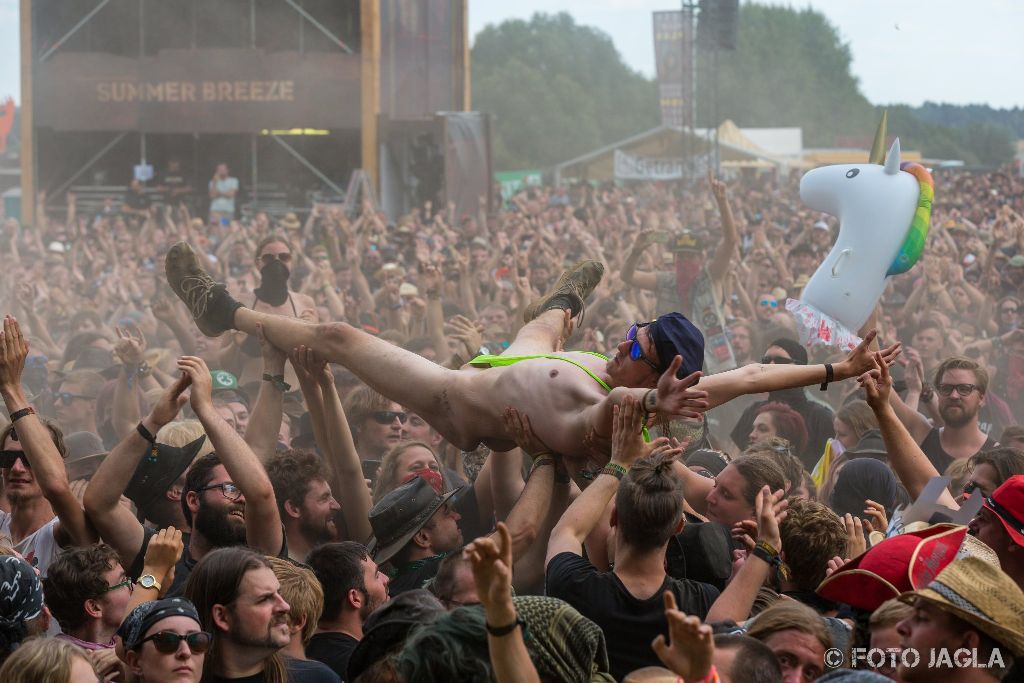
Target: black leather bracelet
(499, 631)
(830, 375)
(18, 414)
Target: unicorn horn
(877, 154)
(892, 160)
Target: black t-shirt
(136, 200)
(333, 649)
(471, 525)
(629, 624)
(932, 447)
(299, 671)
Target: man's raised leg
(411, 380)
(549, 320)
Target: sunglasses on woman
(283, 258)
(167, 642)
(635, 352)
(769, 302)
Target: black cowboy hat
(400, 514)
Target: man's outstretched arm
(116, 524)
(263, 530)
(41, 454)
(757, 378)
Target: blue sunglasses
(635, 352)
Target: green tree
(557, 90)
(789, 69)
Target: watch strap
(499, 631)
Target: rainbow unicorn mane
(913, 245)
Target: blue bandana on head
(673, 335)
(21, 593)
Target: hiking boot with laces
(571, 290)
(208, 301)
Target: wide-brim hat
(400, 514)
(157, 471)
(1007, 504)
(983, 596)
(98, 360)
(894, 566)
(389, 625)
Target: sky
(904, 51)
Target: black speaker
(718, 23)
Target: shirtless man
(566, 404)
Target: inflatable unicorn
(884, 213)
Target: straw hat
(972, 547)
(983, 596)
(290, 221)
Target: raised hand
(518, 426)
(171, 401)
(877, 384)
(491, 559)
(13, 352)
(717, 187)
(877, 521)
(770, 509)
(692, 650)
(627, 439)
(468, 333)
(675, 396)
(308, 367)
(163, 552)
(129, 348)
(202, 383)
(835, 564)
(855, 543)
(861, 359)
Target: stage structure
(294, 95)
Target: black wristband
(499, 631)
(145, 433)
(18, 414)
(148, 436)
(830, 375)
(277, 381)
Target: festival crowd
(189, 502)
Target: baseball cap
(673, 335)
(1007, 503)
(222, 379)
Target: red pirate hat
(894, 566)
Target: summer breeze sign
(202, 91)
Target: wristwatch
(148, 581)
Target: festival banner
(214, 90)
